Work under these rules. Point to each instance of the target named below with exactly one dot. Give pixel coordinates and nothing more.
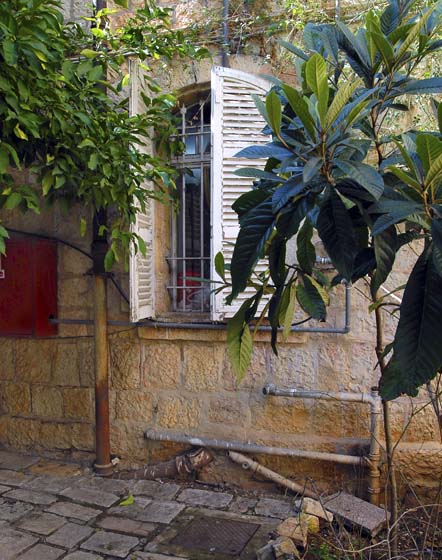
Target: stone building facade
(180, 379)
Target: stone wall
(181, 380)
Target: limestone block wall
(180, 380)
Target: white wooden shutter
(141, 268)
(236, 123)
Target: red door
(28, 287)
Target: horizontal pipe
(216, 326)
(248, 447)
(271, 389)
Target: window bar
(173, 260)
(201, 291)
(183, 213)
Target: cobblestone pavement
(52, 510)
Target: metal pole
(374, 473)
(103, 465)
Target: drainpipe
(103, 465)
(374, 400)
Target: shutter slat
(141, 268)
(236, 124)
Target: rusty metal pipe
(103, 465)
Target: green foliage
(59, 122)
(333, 172)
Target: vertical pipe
(103, 463)
(374, 474)
(225, 34)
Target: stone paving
(60, 511)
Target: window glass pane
(190, 258)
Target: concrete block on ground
(42, 552)
(118, 487)
(112, 544)
(13, 542)
(70, 535)
(196, 497)
(153, 489)
(74, 511)
(269, 507)
(50, 484)
(14, 478)
(13, 511)
(127, 526)
(154, 512)
(353, 511)
(80, 555)
(41, 523)
(16, 461)
(30, 497)
(89, 496)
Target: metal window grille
(189, 260)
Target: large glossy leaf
(255, 231)
(301, 109)
(316, 77)
(291, 188)
(305, 250)
(310, 299)
(365, 175)
(239, 340)
(311, 169)
(357, 44)
(385, 49)
(428, 148)
(258, 174)
(274, 111)
(249, 200)
(435, 172)
(341, 98)
(390, 18)
(336, 231)
(287, 308)
(269, 150)
(415, 87)
(395, 212)
(417, 355)
(385, 246)
(413, 33)
(436, 233)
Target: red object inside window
(28, 288)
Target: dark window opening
(190, 226)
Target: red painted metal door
(28, 288)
